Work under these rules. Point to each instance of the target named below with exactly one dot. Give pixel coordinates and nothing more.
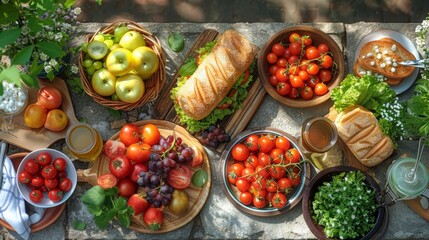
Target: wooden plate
(32, 139)
(233, 124)
(197, 195)
(51, 214)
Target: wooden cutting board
(32, 139)
(197, 195)
(235, 123)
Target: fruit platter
(176, 179)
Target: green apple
(119, 32)
(103, 82)
(119, 61)
(115, 46)
(146, 61)
(97, 50)
(132, 40)
(130, 88)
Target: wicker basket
(153, 85)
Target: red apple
(49, 98)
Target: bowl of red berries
(46, 178)
(298, 66)
(264, 172)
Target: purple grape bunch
(213, 136)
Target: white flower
(77, 11)
(74, 69)
(43, 57)
(48, 68)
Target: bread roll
(216, 75)
(360, 131)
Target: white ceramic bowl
(25, 190)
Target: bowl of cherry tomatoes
(298, 66)
(264, 172)
(46, 178)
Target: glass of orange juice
(84, 142)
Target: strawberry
(138, 203)
(153, 217)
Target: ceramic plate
(402, 39)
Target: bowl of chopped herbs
(344, 203)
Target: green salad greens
(416, 121)
(346, 207)
(374, 95)
(234, 98)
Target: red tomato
(312, 68)
(293, 59)
(55, 195)
(314, 80)
(240, 152)
(282, 62)
(312, 53)
(37, 181)
(120, 166)
(282, 143)
(264, 159)
(36, 195)
(107, 180)
(251, 162)
(49, 172)
(65, 184)
(294, 37)
(260, 183)
(281, 75)
(246, 198)
(278, 49)
(273, 80)
(114, 148)
(293, 70)
(279, 200)
(138, 203)
(271, 58)
(31, 166)
(303, 74)
(259, 202)
(62, 174)
(24, 177)
(283, 88)
(179, 177)
(292, 155)
(248, 173)
(306, 93)
(44, 159)
(277, 155)
(295, 178)
(138, 152)
(60, 164)
(262, 171)
(277, 171)
(242, 184)
(234, 172)
(136, 169)
(325, 75)
(323, 48)
(126, 187)
(51, 183)
(320, 89)
(306, 40)
(326, 61)
(284, 185)
(273, 69)
(129, 134)
(295, 48)
(150, 134)
(294, 93)
(296, 82)
(272, 186)
(265, 144)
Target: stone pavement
(234, 11)
(219, 219)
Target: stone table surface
(219, 218)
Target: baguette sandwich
(360, 131)
(218, 85)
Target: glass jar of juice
(318, 134)
(84, 142)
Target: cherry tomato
(51, 183)
(138, 152)
(277, 171)
(312, 53)
(287, 53)
(303, 64)
(242, 184)
(272, 186)
(240, 152)
(303, 75)
(264, 159)
(320, 89)
(120, 166)
(272, 58)
(246, 198)
(282, 143)
(323, 48)
(293, 59)
(293, 70)
(325, 75)
(36, 195)
(265, 144)
(65, 184)
(313, 81)
(126, 187)
(296, 82)
(62, 174)
(252, 142)
(283, 88)
(31, 166)
(150, 134)
(294, 93)
(248, 173)
(281, 75)
(312, 68)
(295, 178)
(24, 177)
(114, 148)
(292, 155)
(180, 177)
(136, 169)
(277, 155)
(129, 134)
(295, 48)
(259, 202)
(60, 164)
(278, 200)
(326, 61)
(107, 180)
(260, 183)
(251, 162)
(284, 184)
(278, 49)
(273, 80)
(306, 93)
(44, 159)
(294, 37)
(273, 69)
(55, 195)
(306, 40)
(49, 172)
(282, 62)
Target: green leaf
(23, 56)
(29, 80)
(78, 225)
(99, 2)
(11, 74)
(95, 196)
(8, 14)
(9, 36)
(103, 220)
(199, 178)
(124, 219)
(51, 48)
(69, 3)
(188, 68)
(176, 42)
(94, 210)
(120, 203)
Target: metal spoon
(3, 150)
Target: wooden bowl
(325, 176)
(318, 37)
(153, 85)
(232, 193)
